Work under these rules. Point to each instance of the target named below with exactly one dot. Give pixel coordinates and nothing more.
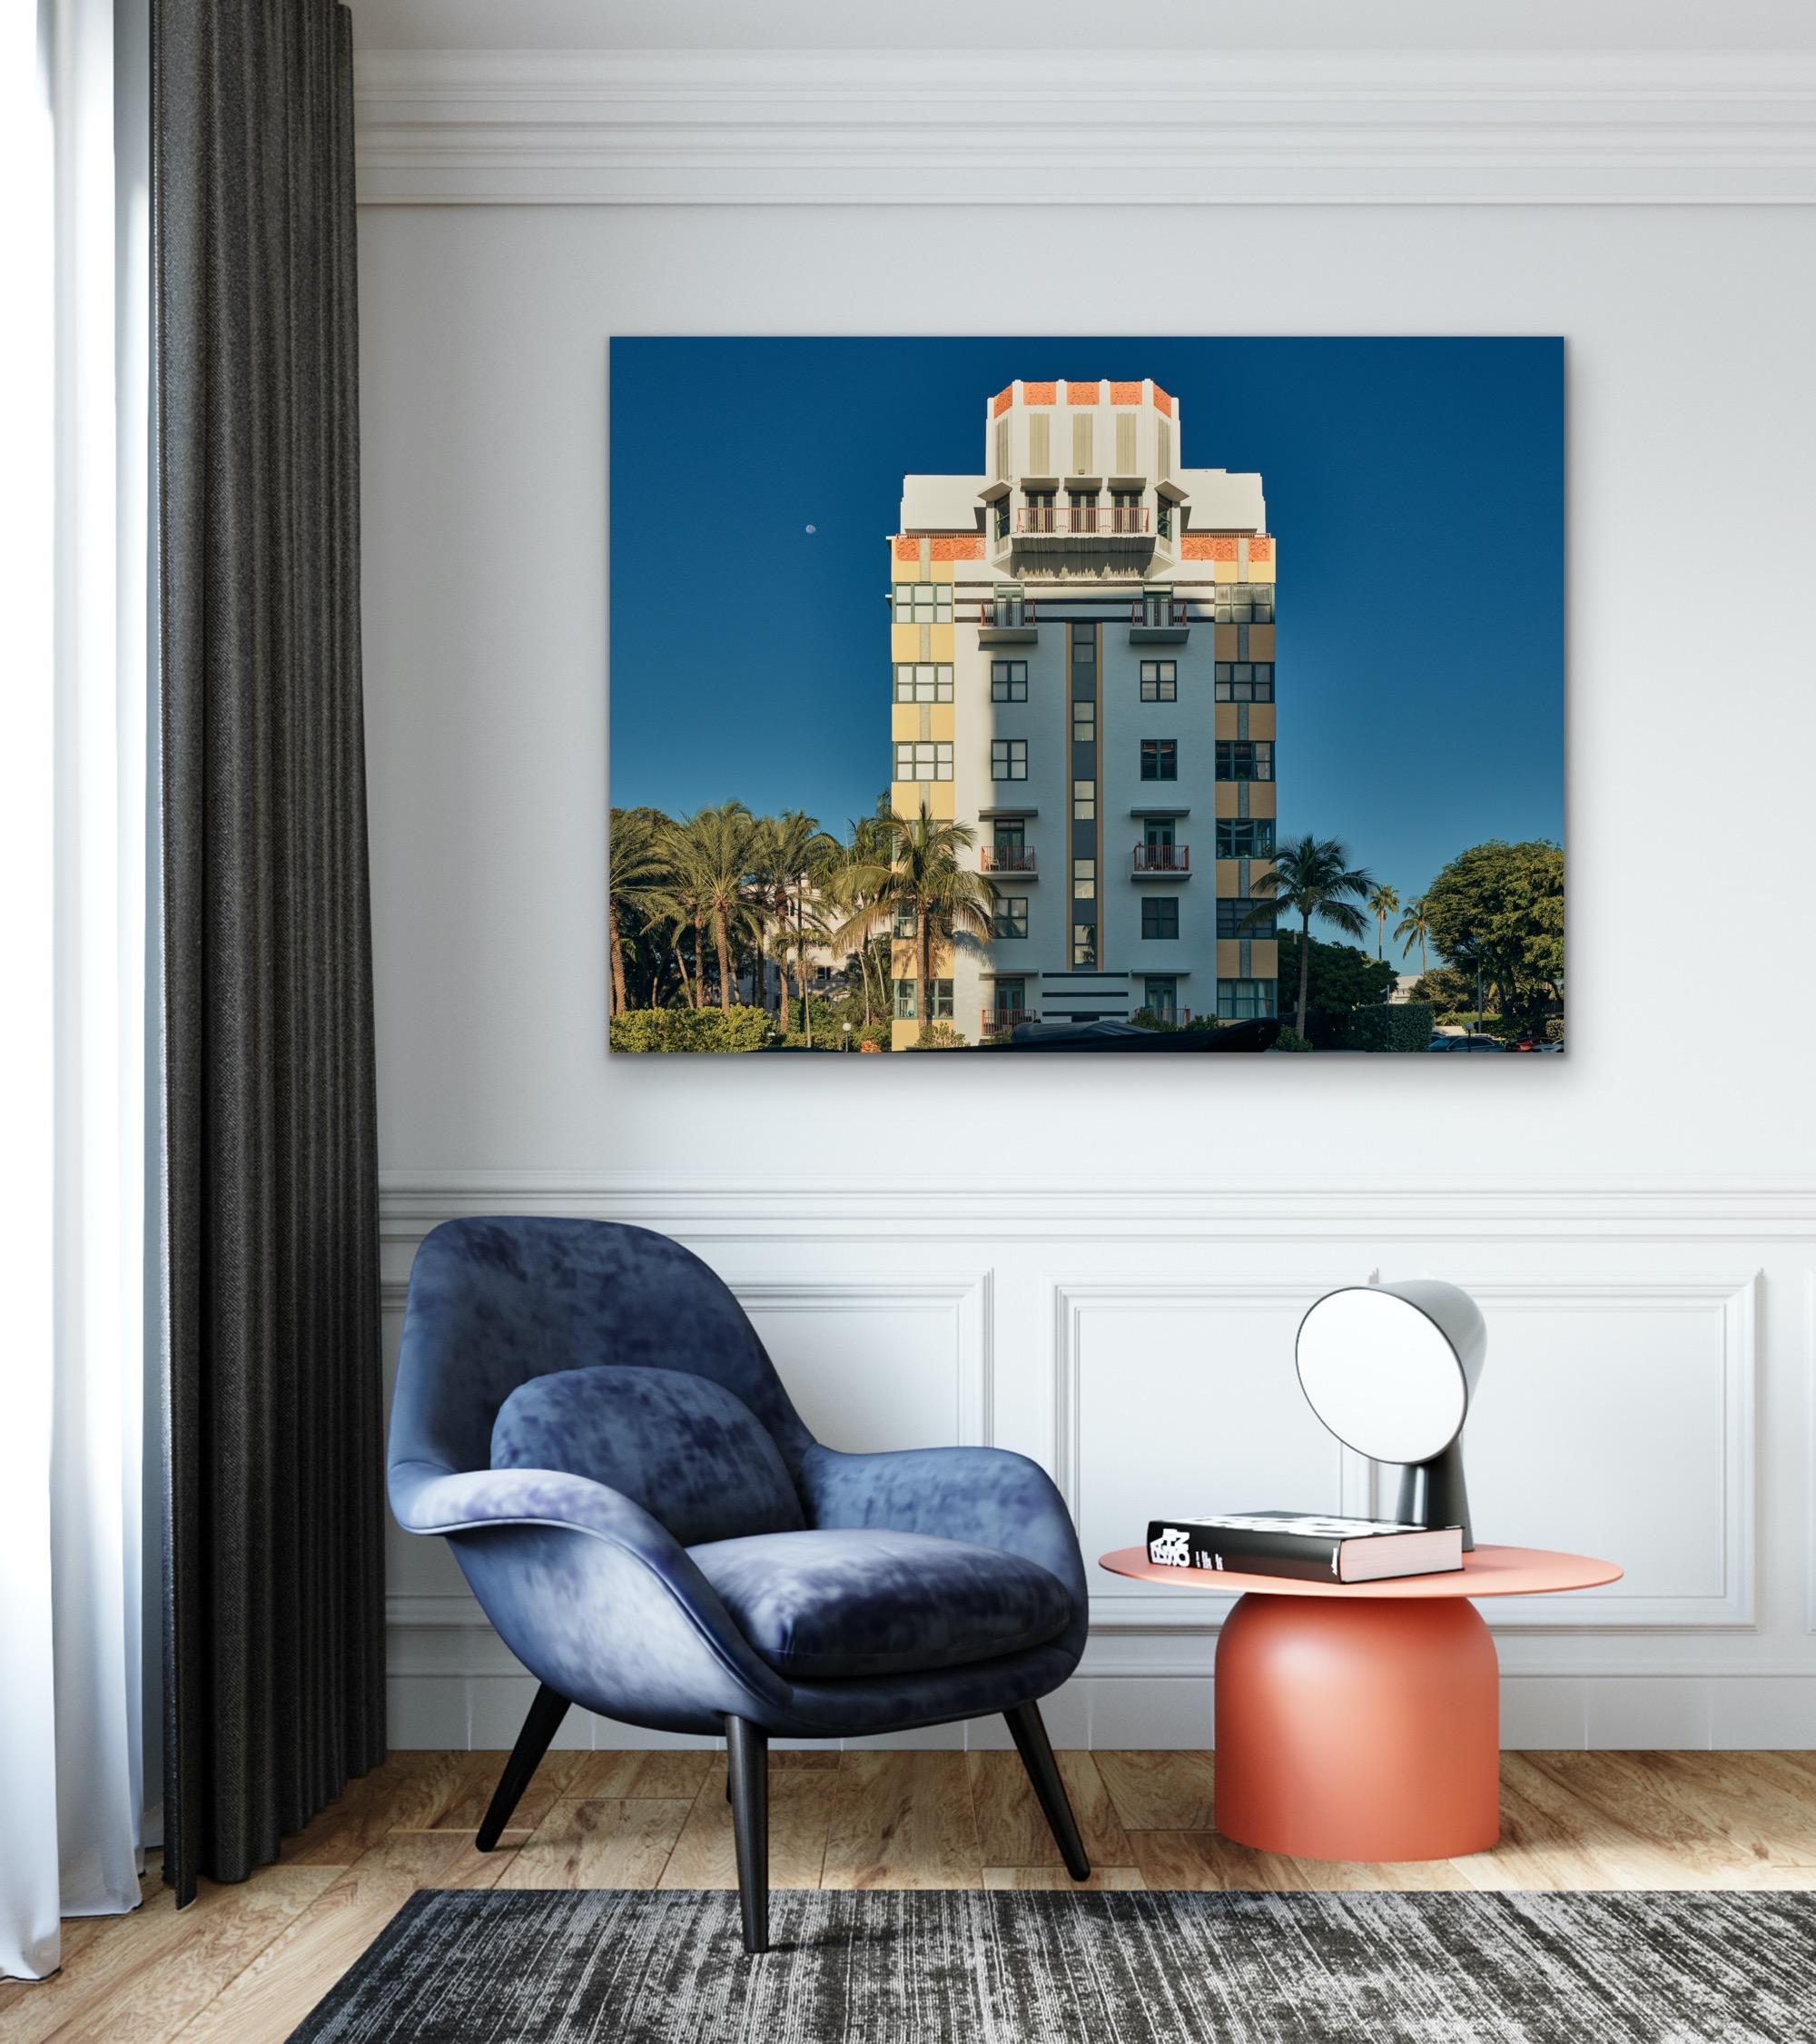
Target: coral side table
(1361, 1721)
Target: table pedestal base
(1358, 1731)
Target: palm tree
(638, 863)
(918, 871)
(1414, 928)
(1383, 902)
(1313, 877)
(791, 853)
(716, 868)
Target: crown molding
(1032, 128)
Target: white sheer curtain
(73, 814)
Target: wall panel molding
(1066, 127)
(974, 1316)
(728, 1210)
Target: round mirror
(1389, 1377)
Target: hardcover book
(1307, 1545)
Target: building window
(1161, 759)
(902, 924)
(1125, 512)
(1084, 721)
(1159, 681)
(1245, 837)
(1084, 879)
(1161, 916)
(1084, 643)
(1003, 517)
(1244, 1000)
(924, 682)
(1038, 516)
(1009, 759)
(1163, 518)
(1245, 603)
(1084, 944)
(1084, 802)
(1009, 681)
(939, 1000)
(1009, 916)
(1161, 997)
(1233, 914)
(1244, 681)
(1245, 759)
(924, 603)
(1010, 1002)
(924, 759)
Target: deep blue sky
(1416, 487)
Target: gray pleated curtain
(274, 1498)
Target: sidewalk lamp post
(846, 1027)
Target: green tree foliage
(1338, 977)
(1499, 908)
(1405, 1028)
(691, 1029)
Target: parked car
(1465, 1043)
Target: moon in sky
(812, 528)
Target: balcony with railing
(1017, 859)
(1162, 862)
(999, 1021)
(1084, 520)
(1007, 621)
(1155, 621)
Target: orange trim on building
(1260, 548)
(1081, 394)
(1208, 545)
(907, 548)
(957, 546)
(1125, 393)
(1163, 400)
(1039, 393)
(1001, 402)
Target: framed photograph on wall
(1211, 697)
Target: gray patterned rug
(968, 1968)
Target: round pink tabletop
(1488, 1572)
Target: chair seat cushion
(696, 1458)
(849, 1603)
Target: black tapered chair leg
(1043, 1772)
(747, 1756)
(539, 1727)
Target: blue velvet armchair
(585, 1413)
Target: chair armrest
(592, 1594)
(428, 1499)
(986, 1495)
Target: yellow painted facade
(906, 797)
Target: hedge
(1404, 1028)
(691, 1029)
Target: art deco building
(1082, 641)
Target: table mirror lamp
(1390, 1370)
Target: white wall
(1640, 1212)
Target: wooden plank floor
(244, 1964)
